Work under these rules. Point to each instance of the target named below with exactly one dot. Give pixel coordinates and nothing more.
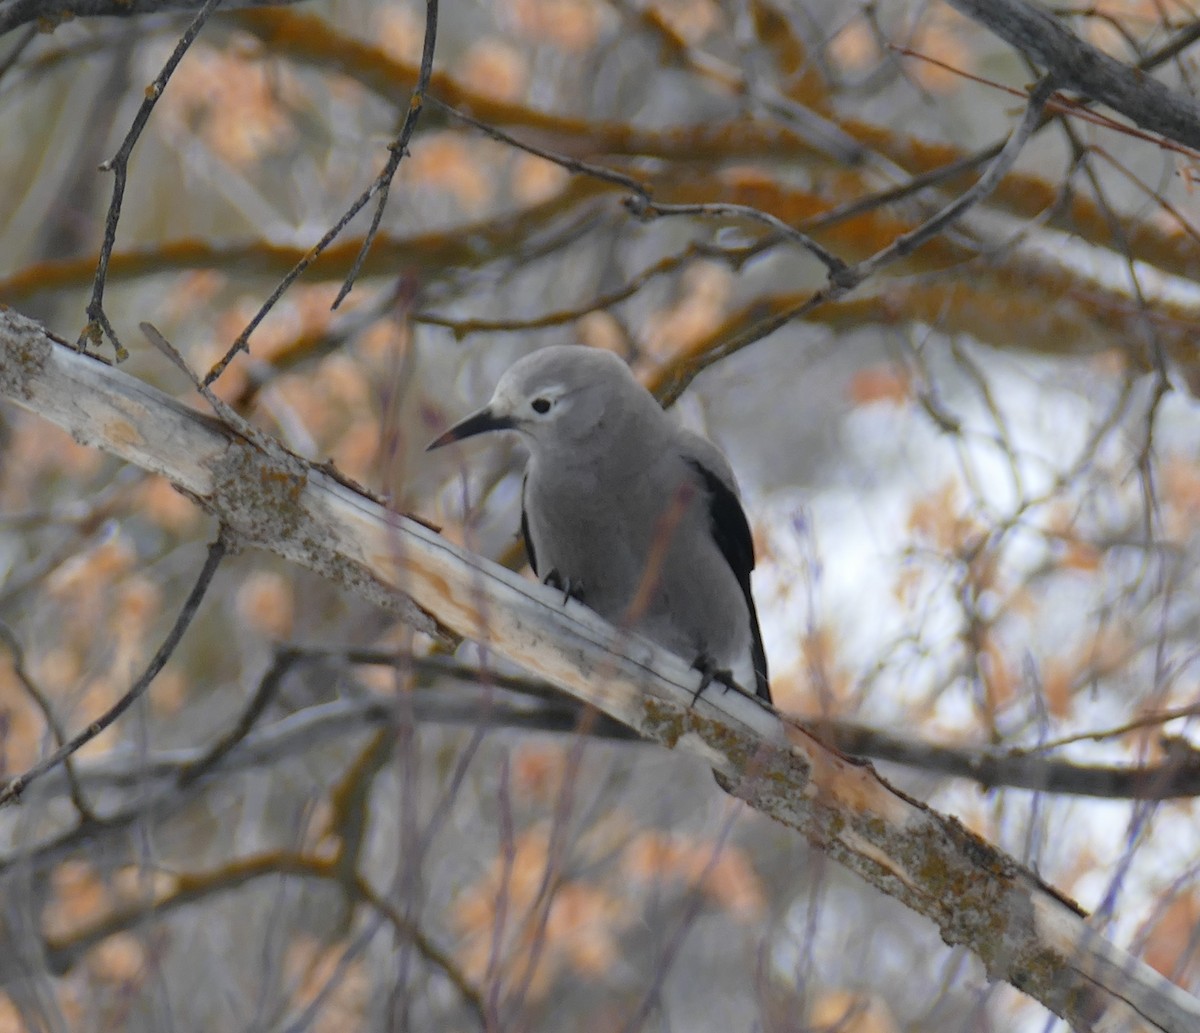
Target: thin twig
(640, 204)
(216, 552)
(841, 283)
(1079, 66)
(119, 165)
(587, 168)
(268, 686)
(735, 257)
(907, 243)
(398, 148)
(1183, 39)
(644, 208)
(42, 701)
(231, 417)
(1059, 106)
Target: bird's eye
(541, 405)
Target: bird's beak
(476, 423)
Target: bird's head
(557, 398)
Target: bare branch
(587, 168)
(216, 552)
(1080, 66)
(398, 148)
(841, 282)
(119, 165)
(42, 702)
(15, 13)
(645, 208)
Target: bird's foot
(709, 673)
(570, 589)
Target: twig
(549, 320)
(907, 243)
(398, 148)
(119, 165)
(841, 283)
(643, 208)
(223, 409)
(1080, 66)
(1059, 106)
(268, 686)
(641, 204)
(216, 553)
(600, 172)
(42, 702)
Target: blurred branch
(306, 39)
(810, 118)
(18, 48)
(1019, 768)
(991, 768)
(14, 13)
(842, 281)
(1006, 306)
(42, 702)
(216, 552)
(549, 320)
(63, 952)
(1080, 66)
(311, 40)
(1023, 930)
(434, 255)
(1058, 106)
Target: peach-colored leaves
(237, 105)
(584, 918)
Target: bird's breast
(605, 530)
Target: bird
(626, 511)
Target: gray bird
(629, 513)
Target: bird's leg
(570, 589)
(709, 673)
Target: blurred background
(972, 482)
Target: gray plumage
(622, 508)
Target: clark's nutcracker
(629, 513)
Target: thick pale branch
(1024, 932)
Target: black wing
(525, 530)
(732, 534)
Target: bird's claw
(570, 589)
(709, 673)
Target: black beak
(476, 423)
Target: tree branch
(1079, 66)
(1024, 931)
(15, 13)
(12, 790)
